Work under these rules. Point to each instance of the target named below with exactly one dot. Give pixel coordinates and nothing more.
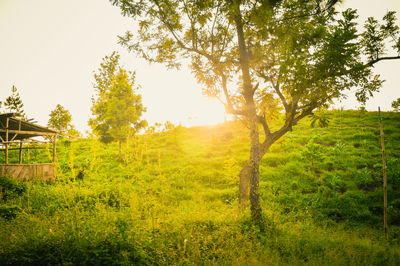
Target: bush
(9, 213)
(11, 188)
(312, 152)
(393, 169)
(56, 251)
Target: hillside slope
(173, 200)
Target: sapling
(312, 152)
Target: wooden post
(28, 153)
(54, 148)
(6, 159)
(20, 152)
(384, 175)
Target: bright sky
(50, 48)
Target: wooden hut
(16, 134)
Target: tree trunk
(254, 163)
(249, 181)
(120, 150)
(249, 178)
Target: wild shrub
(312, 153)
(59, 251)
(394, 212)
(339, 150)
(111, 198)
(364, 180)
(393, 171)
(231, 171)
(87, 201)
(9, 212)
(335, 182)
(11, 188)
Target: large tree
(117, 109)
(257, 56)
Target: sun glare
(207, 111)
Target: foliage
(312, 152)
(9, 213)
(393, 166)
(117, 109)
(60, 119)
(320, 117)
(13, 104)
(396, 105)
(10, 188)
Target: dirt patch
(367, 187)
(326, 144)
(274, 165)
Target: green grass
(173, 200)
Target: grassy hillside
(173, 200)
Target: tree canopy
(116, 109)
(13, 104)
(258, 57)
(60, 120)
(396, 105)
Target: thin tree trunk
(120, 150)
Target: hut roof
(19, 129)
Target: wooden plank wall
(29, 171)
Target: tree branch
(216, 62)
(278, 91)
(373, 62)
(276, 87)
(318, 11)
(264, 124)
(272, 137)
(179, 41)
(212, 30)
(229, 105)
(248, 92)
(303, 114)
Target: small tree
(312, 152)
(117, 109)
(396, 105)
(60, 119)
(13, 104)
